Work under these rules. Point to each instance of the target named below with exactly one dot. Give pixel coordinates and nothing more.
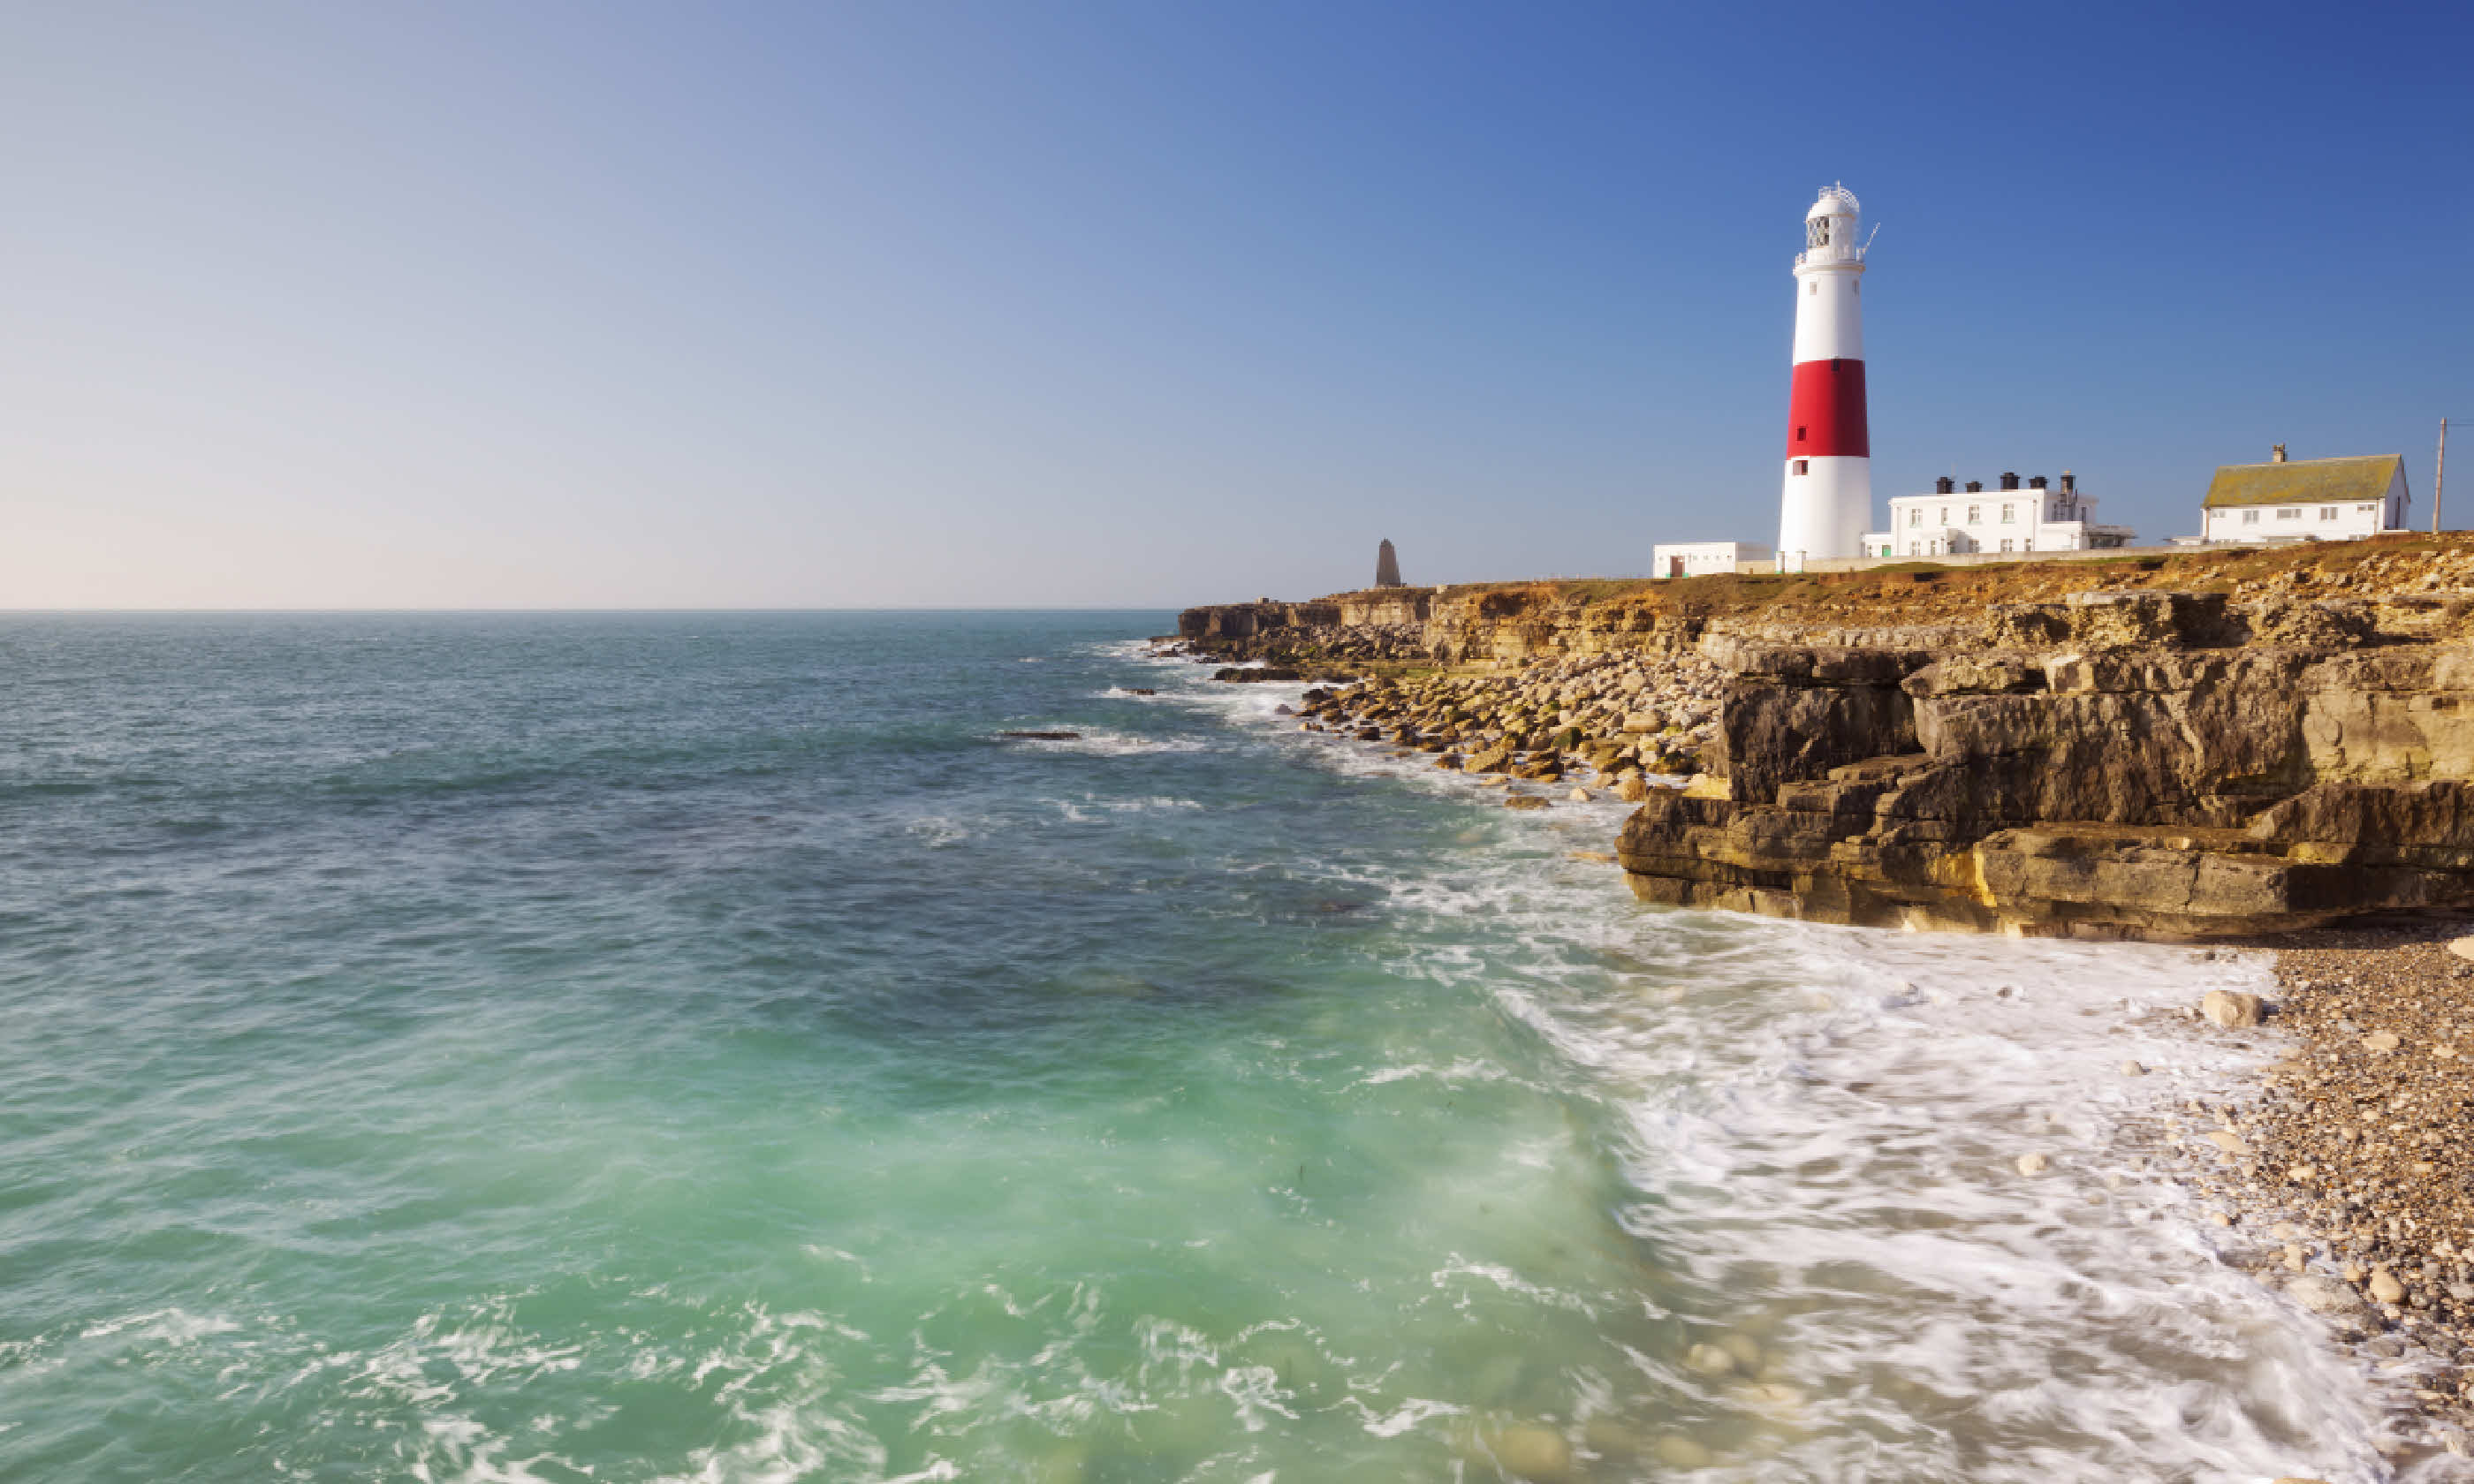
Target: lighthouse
(1828, 488)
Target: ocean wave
(1102, 742)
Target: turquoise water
(697, 1047)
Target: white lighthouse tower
(1828, 495)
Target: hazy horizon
(633, 309)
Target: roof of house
(2303, 481)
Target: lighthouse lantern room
(1828, 501)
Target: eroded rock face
(2148, 764)
(2284, 739)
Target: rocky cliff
(2212, 745)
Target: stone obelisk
(1387, 567)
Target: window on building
(1812, 288)
(2290, 513)
(1799, 432)
(2005, 543)
(1945, 517)
(1803, 465)
(2250, 517)
(2007, 514)
(2327, 512)
(2367, 509)
(1916, 516)
(1915, 548)
(1975, 513)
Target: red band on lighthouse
(1826, 414)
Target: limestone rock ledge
(2148, 764)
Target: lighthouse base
(1825, 510)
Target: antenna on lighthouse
(1868, 239)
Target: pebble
(1678, 1451)
(2032, 1164)
(2323, 1296)
(1710, 1359)
(2133, 1069)
(1529, 1451)
(2230, 1008)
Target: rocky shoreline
(2268, 749)
(2346, 1176)
(2217, 746)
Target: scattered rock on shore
(2230, 1008)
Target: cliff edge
(2220, 744)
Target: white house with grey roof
(2306, 499)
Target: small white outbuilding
(1701, 559)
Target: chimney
(2009, 481)
(2035, 480)
(1975, 486)
(2070, 481)
(2276, 455)
(1942, 484)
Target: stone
(2133, 1069)
(2462, 948)
(1579, 796)
(2381, 1040)
(1525, 802)
(2032, 1164)
(1678, 1451)
(2230, 1143)
(2323, 1296)
(1387, 567)
(1710, 1359)
(1632, 790)
(2230, 1008)
(1529, 1451)
(1492, 760)
(2384, 1287)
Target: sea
(703, 1047)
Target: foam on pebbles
(2361, 1146)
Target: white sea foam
(1109, 744)
(1823, 1124)
(1092, 807)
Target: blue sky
(1145, 304)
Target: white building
(1951, 522)
(2306, 500)
(1827, 493)
(1701, 559)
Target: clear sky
(961, 304)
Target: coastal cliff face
(2224, 744)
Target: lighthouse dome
(1835, 200)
